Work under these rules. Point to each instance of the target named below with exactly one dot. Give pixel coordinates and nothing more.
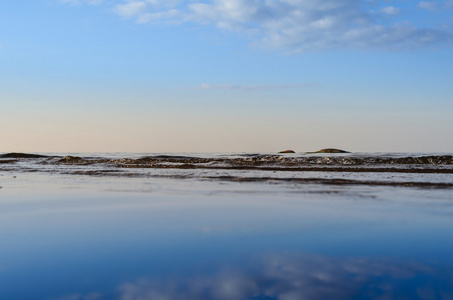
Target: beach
(219, 226)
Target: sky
(226, 75)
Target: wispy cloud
(436, 5)
(390, 10)
(91, 2)
(252, 87)
(130, 9)
(295, 26)
(429, 5)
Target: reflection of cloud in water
(312, 277)
(224, 286)
(91, 296)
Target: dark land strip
(299, 169)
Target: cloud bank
(298, 26)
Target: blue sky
(225, 75)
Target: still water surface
(105, 237)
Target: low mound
(330, 150)
(287, 151)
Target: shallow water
(77, 230)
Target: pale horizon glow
(226, 76)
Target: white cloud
(132, 8)
(91, 2)
(170, 15)
(252, 87)
(436, 5)
(294, 26)
(429, 5)
(390, 10)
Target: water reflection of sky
(350, 244)
(288, 276)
